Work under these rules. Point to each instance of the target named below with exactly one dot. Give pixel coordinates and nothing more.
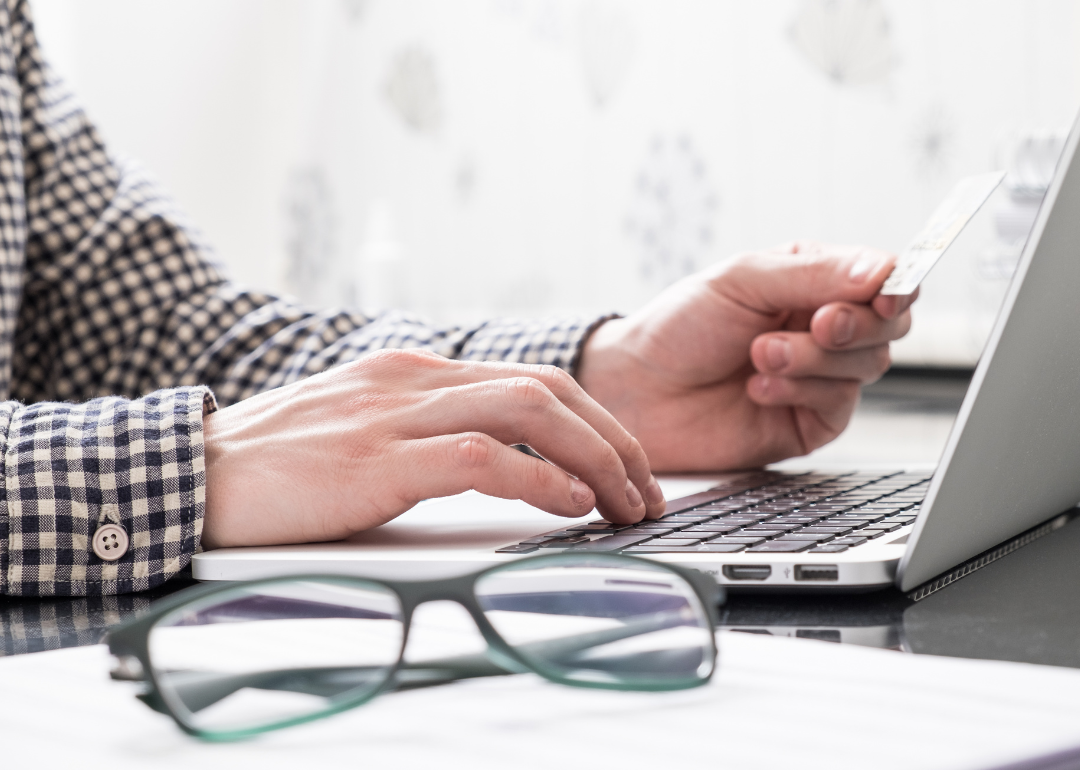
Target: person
(148, 397)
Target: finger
(773, 282)
(830, 402)
(844, 326)
(520, 410)
(448, 465)
(890, 306)
(443, 373)
(794, 355)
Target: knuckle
(634, 452)
(472, 450)
(558, 380)
(539, 473)
(608, 459)
(527, 393)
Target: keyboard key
(611, 543)
(687, 517)
(884, 526)
(886, 509)
(816, 537)
(558, 535)
(598, 526)
(656, 530)
(563, 542)
(730, 539)
(519, 548)
(781, 546)
(775, 507)
(677, 542)
(869, 534)
(830, 548)
(716, 547)
(836, 531)
(713, 528)
(849, 541)
(777, 525)
(761, 532)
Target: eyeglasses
(235, 660)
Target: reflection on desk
(1024, 607)
(35, 625)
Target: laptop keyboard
(769, 512)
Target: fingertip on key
(653, 494)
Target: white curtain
(465, 158)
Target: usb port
(817, 572)
(746, 571)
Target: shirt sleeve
(121, 298)
(70, 468)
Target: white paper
(774, 703)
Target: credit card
(949, 218)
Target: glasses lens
(271, 653)
(605, 622)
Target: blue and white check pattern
(117, 324)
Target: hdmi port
(747, 571)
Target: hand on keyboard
(354, 447)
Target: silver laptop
(1010, 468)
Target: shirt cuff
(65, 465)
(555, 341)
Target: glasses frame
(132, 639)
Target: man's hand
(354, 447)
(756, 360)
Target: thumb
(809, 276)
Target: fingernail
(843, 330)
(864, 268)
(579, 491)
(653, 493)
(887, 306)
(633, 496)
(778, 353)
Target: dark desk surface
(1024, 607)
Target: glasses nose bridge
(458, 591)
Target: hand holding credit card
(949, 218)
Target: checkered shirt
(117, 324)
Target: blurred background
(470, 158)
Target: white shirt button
(110, 542)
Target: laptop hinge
(988, 557)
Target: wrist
(605, 366)
(219, 451)
(211, 456)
